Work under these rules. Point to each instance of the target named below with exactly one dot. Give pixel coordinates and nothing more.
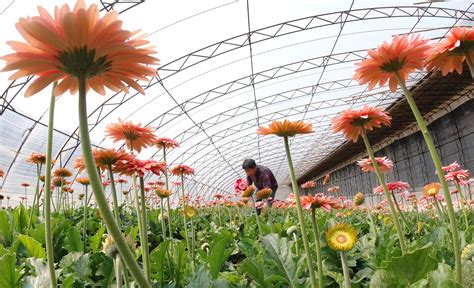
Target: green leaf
(219, 254)
(200, 278)
(178, 261)
(246, 246)
(255, 270)
(33, 247)
(6, 229)
(38, 233)
(76, 263)
(158, 260)
(442, 277)
(103, 269)
(96, 240)
(20, 218)
(10, 274)
(220, 283)
(383, 279)
(41, 278)
(73, 240)
(279, 255)
(413, 266)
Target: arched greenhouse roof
(226, 68)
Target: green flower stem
(146, 254)
(381, 179)
(372, 224)
(47, 194)
(162, 213)
(440, 212)
(84, 230)
(345, 270)
(463, 208)
(169, 216)
(297, 248)
(36, 198)
(439, 171)
(270, 218)
(114, 195)
(118, 270)
(168, 198)
(136, 201)
(405, 222)
(317, 241)
(107, 216)
(299, 209)
(116, 211)
(193, 241)
(186, 236)
(256, 217)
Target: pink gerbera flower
(457, 176)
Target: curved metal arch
(304, 24)
(272, 157)
(245, 108)
(232, 155)
(269, 100)
(252, 134)
(232, 86)
(274, 160)
(316, 105)
(244, 141)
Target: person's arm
(249, 181)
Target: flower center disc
(341, 239)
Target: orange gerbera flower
(431, 189)
(449, 54)
(166, 143)
(351, 122)
(182, 169)
(162, 192)
(79, 43)
(403, 56)
(286, 128)
(2, 173)
(83, 180)
(135, 136)
(62, 172)
(319, 201)
(248, 192)
(57, 181)
(106, 157)
(385, 164)
(264, 193)
(308, 185)
(326, 179)
(37, 158)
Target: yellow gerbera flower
(190, 212)
(341, 237)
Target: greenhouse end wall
(453, 135)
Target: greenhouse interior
(250, 143)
